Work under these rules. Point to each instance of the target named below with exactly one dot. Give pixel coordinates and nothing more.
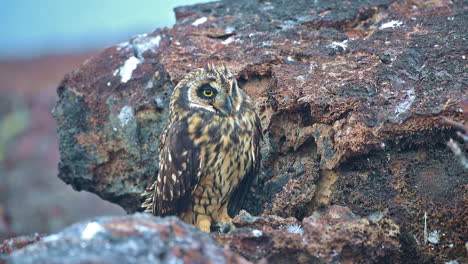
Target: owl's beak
(227, 106)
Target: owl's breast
(226, 153)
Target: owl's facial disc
(215, 90)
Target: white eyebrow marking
(209, 108)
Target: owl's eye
(207, 91)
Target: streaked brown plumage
(209, 152)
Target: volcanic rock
(336, 236)
(349, 94)
(139, 238)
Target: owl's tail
(148, 195)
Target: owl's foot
(204, 223)
(223, 216)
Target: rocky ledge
(139, 238)
(337, 236)
(349, 93)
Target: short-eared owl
(209, 152)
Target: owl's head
(212, 89)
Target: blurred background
(41, 41)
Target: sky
(31, 28)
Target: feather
(240, 193)
(176, 183)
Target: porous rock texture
(349, 93)
(337, 236)
(12, 244)
(138, 238)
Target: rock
(15, 243)
(138, 238)
(337, 236)
(244, 219)
(349, 94)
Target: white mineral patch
(288, 24)
(199, 21)
(91, 230)
(391, 24)
(404, 106)
(123, 45)
(127, 69)
(257, 233)
(295, 229)
(229, 30)
(312, 67)
(336, 44)
(149, 85)
(125, 115)
(434, 237)
(144, 43)
(51, 238)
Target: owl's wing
(238, 197)
(178, 172)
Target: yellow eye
(208, 93)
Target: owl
(209, 152)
